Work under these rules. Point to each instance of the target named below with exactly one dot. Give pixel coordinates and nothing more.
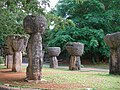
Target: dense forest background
(85, 21)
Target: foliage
(12, 13)
(91, 38)
(98, 14)
(92, 19)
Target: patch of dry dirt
(18, 79)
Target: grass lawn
(89, 79)
(96, 80)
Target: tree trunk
(35, 57)
(115, 61)
(53, 62)
(9, 60)
(17, 62)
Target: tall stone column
(113, 41)
(53, 52)
(75, 49)
(34, 26)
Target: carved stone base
(33, 75)
(53, 62)
(75, 63)
(9, 59)
(115, 61)
(17, 62)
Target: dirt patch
(18, 79)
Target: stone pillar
(15, 44)
(8, 52)
(9, 59)
(75, 49)
(53, 52)
(34, 26)
(19, 43)
(113, 41)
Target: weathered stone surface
(8, 45)
(75, 48)
(18, 45)
(14, 46)
(35, 57)
(53, 62)
(113, 41)
(8, 52)
(53, 52)
(17, 62)
(34, 26)
(9, 59)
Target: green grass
(90, 79)
(2, 66)
(97, 80)
(99, 66)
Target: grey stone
(34, 26)
(113, 41)
(14, 46)
(75, 48)
(53, 52)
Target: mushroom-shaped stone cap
(34, 24)
(19, 43)
(75, 48)
(113, 40)
(15, 43)
(53, 51)
(8, 45)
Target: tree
(12, 13)
(92, 19)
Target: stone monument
(15, 44)
(53, 52)
(113, 41)
(75, 49)
(34, 26)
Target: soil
(18, 79)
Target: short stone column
(53, 52)
(14, 46)
(8, 52)
(34, 26)
(113, 41)
(19, 44)
(75, 49)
